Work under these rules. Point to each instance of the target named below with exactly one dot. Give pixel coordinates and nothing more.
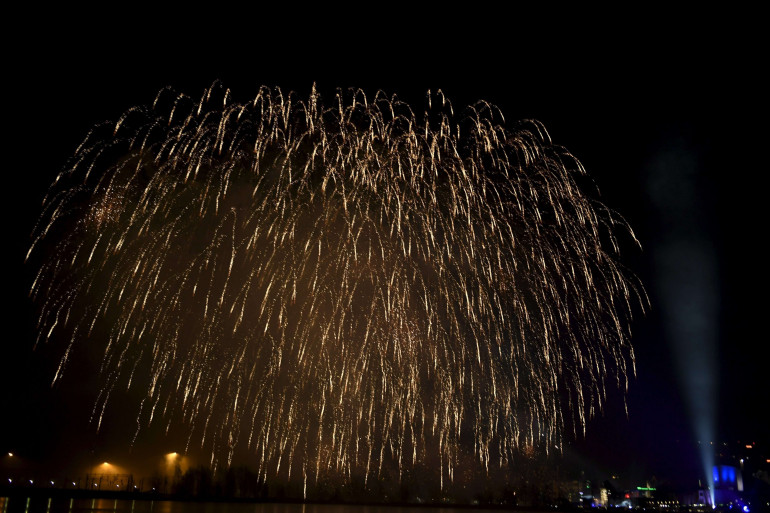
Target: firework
(337, 288)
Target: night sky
(668, 121)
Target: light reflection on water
(67, 505)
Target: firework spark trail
(337, 287)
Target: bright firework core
(340, 289)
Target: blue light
(746, 509)
(725, 474)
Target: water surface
(66, 505)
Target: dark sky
(667, 120)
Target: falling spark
(344, 287)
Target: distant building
(699, 497)
(728, 483)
